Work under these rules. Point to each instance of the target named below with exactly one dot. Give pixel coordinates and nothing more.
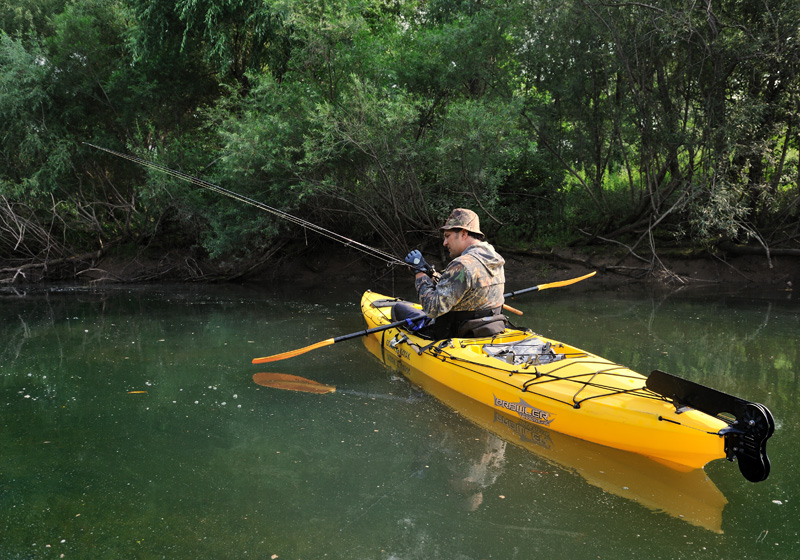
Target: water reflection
(688, 495)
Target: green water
(130, 428)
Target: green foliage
(25, 18)
(33, 152)
(232, 36)
(478, 147)
(374, 118)
(716, 212)
(75, 82)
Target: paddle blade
(292, 383)
(293, 353)
(566, 282)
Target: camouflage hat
(462, 218)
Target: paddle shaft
(327, 342)
(366, 332)
(512, 309)
(511, 295)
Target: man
(468, 296)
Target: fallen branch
(630, 249)
(44, 266)
(732, 248)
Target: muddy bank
(335, 267)
(530, 268)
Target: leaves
(375, 118)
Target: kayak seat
(385, 303)
(402, 310)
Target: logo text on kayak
(525, 411)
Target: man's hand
(417, 262)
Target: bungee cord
(388, 258)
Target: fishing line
(372, 251)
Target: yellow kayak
(552, 385)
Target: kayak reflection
(686, 494)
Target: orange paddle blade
(293, 353)
(292, 383)
(562, 283)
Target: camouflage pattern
(462, 218)
(473, 281)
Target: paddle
(558, 284)
(329, 341)
(414, 325)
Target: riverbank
(525, 268)
(325, 265)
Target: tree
(689, 105)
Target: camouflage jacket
(473, 281)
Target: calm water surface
(130, 428)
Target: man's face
(455, 241)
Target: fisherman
(467, 298)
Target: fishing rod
(372, 251)
(388, 258)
